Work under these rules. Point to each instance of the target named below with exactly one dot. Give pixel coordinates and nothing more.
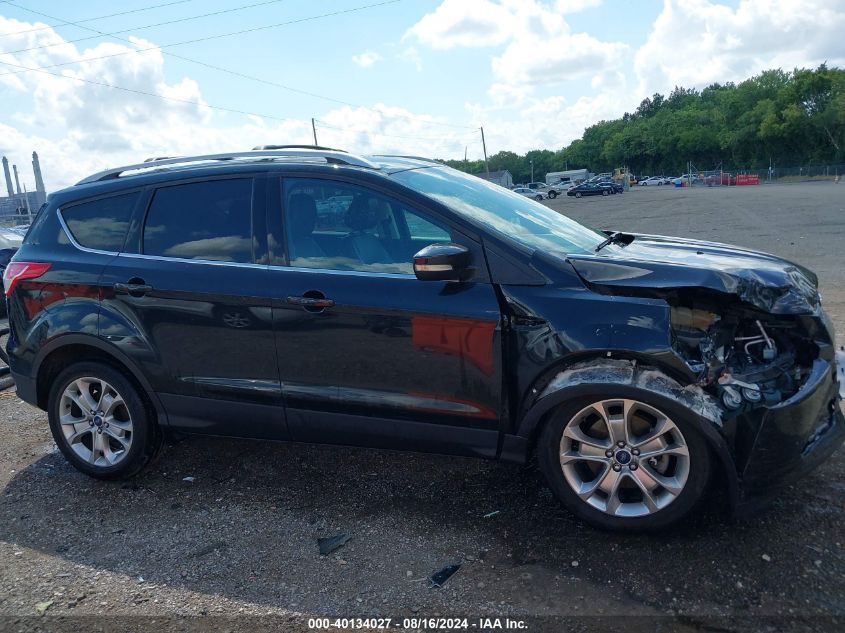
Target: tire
(128, 418)
(604, 192)
(553, 194)
(632, 514)
(577, 194)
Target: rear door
(188, 300)
(367, 353)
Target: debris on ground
(329, 544)
(766, 558)
(438, 579)
(190, 480)
(41, 607)
(491, 514)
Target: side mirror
(442, 262)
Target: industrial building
(20, 201)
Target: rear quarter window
(101, 224)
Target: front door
(367, 353)
(189, 302)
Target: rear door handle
(310, 302)
(134, 290)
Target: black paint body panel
(398, 362)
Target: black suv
(318, 296)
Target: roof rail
(320, 147)
(422, 158)
(334, 157)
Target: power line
(219, 35)
(141, 28)
(79, 22)
(228, 71)
(323, 124)
(149, 94)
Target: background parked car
(552, 191)
(531, 193)
(10, 242)
(654, 180)
(589, 189)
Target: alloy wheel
(95, 421)
(624, 457)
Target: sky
(378, 76)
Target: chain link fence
(723, 177)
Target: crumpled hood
(652, 263)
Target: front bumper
(794, 437)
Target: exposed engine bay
(742, 357)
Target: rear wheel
(577, 194)
(632, 462)
(553, 194)
(100, 423)
(604, 192)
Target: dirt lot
(240, 538)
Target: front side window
(512, 215)
(209, 221)
(101, 224)
(338, 226)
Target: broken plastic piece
(332, 543)
(438, 579)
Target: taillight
(20, 271)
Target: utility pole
(532, 169)
(314, 129)
(484, 145)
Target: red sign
(747, 179)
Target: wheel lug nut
(617, 467)
(635, 451)
(633, 466)
(620, 443)
(609, 452)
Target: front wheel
(538, 198)
(553, 194)
(604, 192)
(625, 461)
(577, 194)
(100, 423)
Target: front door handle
(132, 289)
(318, 303)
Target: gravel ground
(240, 537)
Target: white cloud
(540, 46)
(560, 58)
(366, 59)
(88, 127)
(481, 23)
(697, 42)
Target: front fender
(628, 379)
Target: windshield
(512, 215)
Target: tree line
(776, 118)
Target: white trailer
(571, 175)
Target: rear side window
(205, 221)
(101, 224)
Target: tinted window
(204, 220)
(338, 226)
(101, 224)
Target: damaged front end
(744, 358)
(751, 330)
